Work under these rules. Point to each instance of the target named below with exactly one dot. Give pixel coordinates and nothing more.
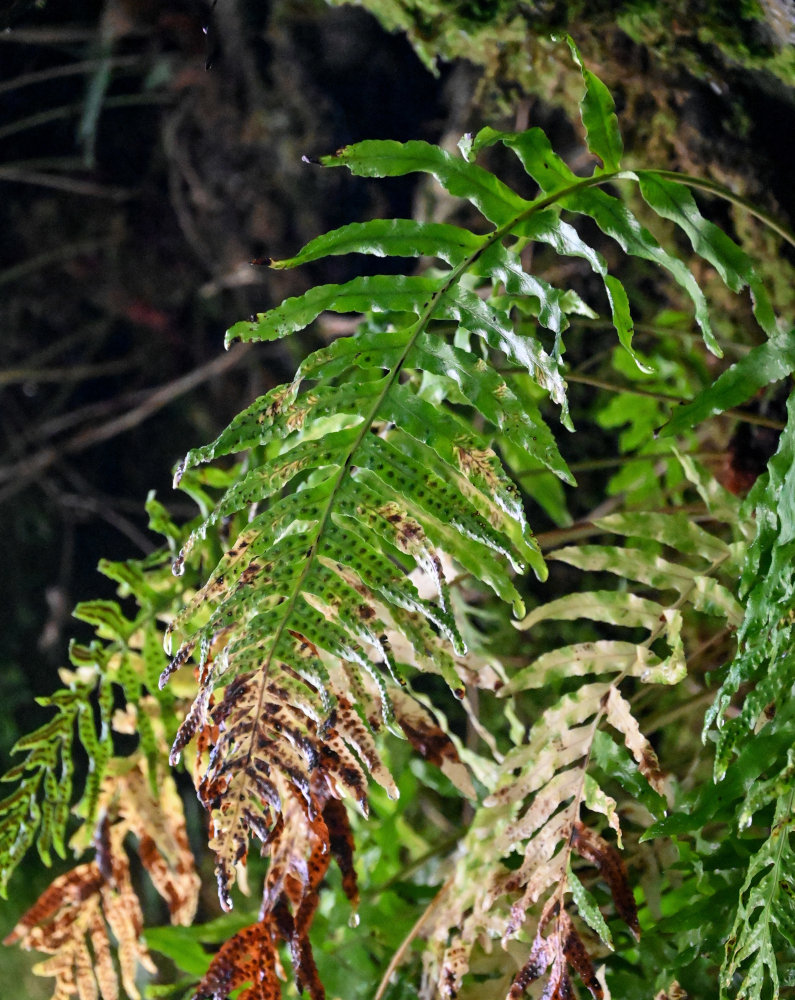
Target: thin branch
(586, 529)
(66, 373)
(67, 342)
(633, 390)
(55, 36)
(91, 411)
(592, 465)
(77, 108)
(93, 505)
(650, 330)
(72, 185)
(65, 252)
(744, 415)
(69, 69)
(18, 475)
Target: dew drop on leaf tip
(353, 920)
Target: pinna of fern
(367, 475)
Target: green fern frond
(761, 944)
(764, 657)
(544, 785)
(360, 483)
(126, 653)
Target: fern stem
(397, 958)
(664, 719)
(412, 866)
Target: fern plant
(373, 498)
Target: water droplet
(353, 920)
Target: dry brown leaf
(593, 848)
(159, 825)
(620, 716)
(431, 741)
(71, 921)
(248, 957)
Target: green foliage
(764, 656)
(361, 563)
(126, 655)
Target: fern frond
(127, 652)
(762, 940)
(38, 809)
(764, 657)
(95, 904)
(545, 786)
(77, 918)
(247, 957)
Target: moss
(698, 36)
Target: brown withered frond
(302, 842)
(80, 920)
(487, 899)
(92, 912)
(158, 824)
(247, 957)
(275, 763)
(561, 950)
(284, 745)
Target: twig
(585, 529)
(72, 185)
(397, 958)
(93, 505)
(19, 474)
(69, 69)
(633, 390)
(57, 36)
(61, 253)
(650, 330)
(594, 464)
(69, 110)
(65, 373)
(744, 415)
